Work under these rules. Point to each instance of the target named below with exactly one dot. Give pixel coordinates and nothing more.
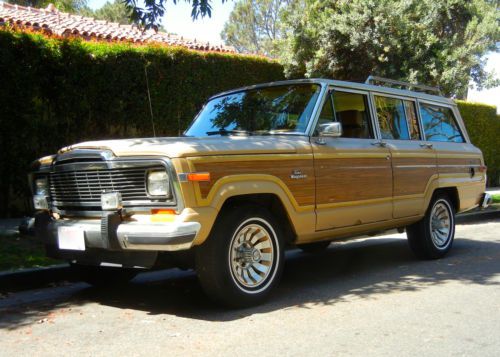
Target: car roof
(346, 85)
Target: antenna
(149, 98)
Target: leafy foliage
(483, 126)
(56, 92)
(153, 10)
(254, 26)
(436, 42)
(144, 12)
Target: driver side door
(353, 171)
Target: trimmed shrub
(483, 126)
(55, 92)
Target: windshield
(263, 111)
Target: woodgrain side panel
(353, 179)
(458, 165)
(302, 189)
(411, 174)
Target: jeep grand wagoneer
(293, 163)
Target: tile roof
(53, 21)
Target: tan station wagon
(287, 164)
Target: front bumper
(111, 233)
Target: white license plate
(71, 238)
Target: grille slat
(86, 186)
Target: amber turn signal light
(162, 215)
(162, 211)
(198, 176)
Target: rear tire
(99, 276)
(242, 260)
(432, 237)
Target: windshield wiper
(224, 132)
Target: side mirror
(330, 129)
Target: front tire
(242, 260)
(432, 237)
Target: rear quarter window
(440, 124)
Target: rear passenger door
(413, 159)
(353, 173)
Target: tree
(116, 11)
(153, 10)
(254, 26)
(145, 12)
(436, 42)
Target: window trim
(311, 126)
(330, 91)
(419, 124)
(454, 111)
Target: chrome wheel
(441, 222)
(252, 254)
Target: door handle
(426, 145)
(382, 144)
(320, 141)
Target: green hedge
(483, 126)
(55, 92)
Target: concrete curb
(489, 213)
(34, 277)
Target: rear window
(440, 124)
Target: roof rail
(404, 85)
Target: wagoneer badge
(297, 174)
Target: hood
(188, 146)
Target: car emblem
(297, 174)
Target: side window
(411, 118)
(392, 118)
(351, 109)
(439, 124)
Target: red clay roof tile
(63, 24)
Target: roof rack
(404, 85)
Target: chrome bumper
(486, 201)
(113, 234)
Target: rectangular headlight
(41, 186)
(158, 183)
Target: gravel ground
(367, 297)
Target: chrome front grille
(76, 188)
